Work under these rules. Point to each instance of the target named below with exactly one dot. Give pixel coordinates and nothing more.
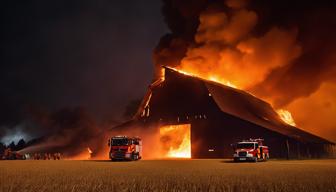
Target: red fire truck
(125, 148)
(250, 150)
(12, 155)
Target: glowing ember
(286, 116)
(175, 141)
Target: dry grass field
(167, 175)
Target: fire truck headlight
(249, 155)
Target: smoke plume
(70, 131)
(280, 51)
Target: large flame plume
(241, 44)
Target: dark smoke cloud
(316, 22)
(69, 131)
(182, 19)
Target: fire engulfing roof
(231, 101)
(254, 110)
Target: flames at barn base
(220, 115)
(175, 140)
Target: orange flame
(89, 150)
(286, 117)
(175, 140)
(209, 78)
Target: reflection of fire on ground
(175, 141)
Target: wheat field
(167, 175)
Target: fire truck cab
(250, 150)
(125, 148)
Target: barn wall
(219, 133)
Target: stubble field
(167, 175)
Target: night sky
(69, 53)
(99, 56)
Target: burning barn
(201, 119)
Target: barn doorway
(175, 141)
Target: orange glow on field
(286, 116)
(175, 141)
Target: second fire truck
(250, 150)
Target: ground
(168, 175)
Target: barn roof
(243, 105)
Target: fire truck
(125, 148)
(12, 155)
(250, 150)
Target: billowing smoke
(73, 132)
(70, 131)
(281, 51)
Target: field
(168, 175)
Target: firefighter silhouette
(58, 156)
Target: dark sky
(97, 54)
(66, 53)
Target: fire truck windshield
(245, 146)
(119, 142)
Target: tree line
(21, 144)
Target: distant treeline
(20, 145)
